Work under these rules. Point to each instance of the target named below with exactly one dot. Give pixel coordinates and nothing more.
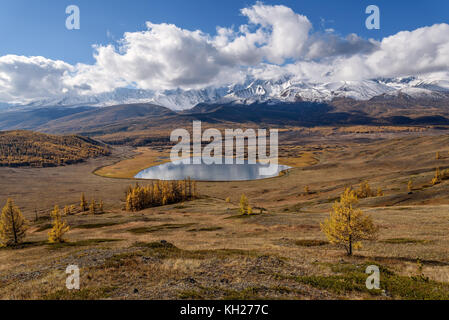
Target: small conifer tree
(244, 205)
(347, 226)
(380, 192)
(12, 225)
(101, 207)
(83, 203)
(410, 185)
(93, 207)
(60, 227)
(437, 178)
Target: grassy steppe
(204, 250)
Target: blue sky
(37, 27)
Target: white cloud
(165, 56)
(25, 78)
(285, 31)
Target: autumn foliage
(26, 148)
(160, 193)
(60, 227)
(347, 226)
(365, 191)
(245, 208)
(12, 225)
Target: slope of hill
(118, 117)
(26, 148)
(380, 110)
(29, 119)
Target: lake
(212, 172)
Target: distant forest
(32, 149)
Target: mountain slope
(253, 90)
(105, 117)
(26, 148)
(30, 119)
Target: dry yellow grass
(223, 255)
(146, 157)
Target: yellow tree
(437, 178)
(380, 193)
(244, 204)
(101, 207)
(93, 207)
(410, 185)
(12, 225)
(347, 226)
(60, 227)
(306, 190)
(365, 190)
(83, 203)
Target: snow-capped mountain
(286, 89)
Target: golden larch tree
(347, 226)
(93, 207)
(380, 192)
(12, 225)
(410, 185)
(60, 227)
(101, 207)
(365, 191)
(83, 203)
(306, 190)
(437, 178)
(244, 205)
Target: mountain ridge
(253, 90)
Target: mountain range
(286, 89)
(399, 101)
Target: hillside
(25, 148)
(30, 119)
(142, 118)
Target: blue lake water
(211, 172)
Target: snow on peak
(285, 89)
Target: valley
(204, 249)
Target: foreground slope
(204, 249)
